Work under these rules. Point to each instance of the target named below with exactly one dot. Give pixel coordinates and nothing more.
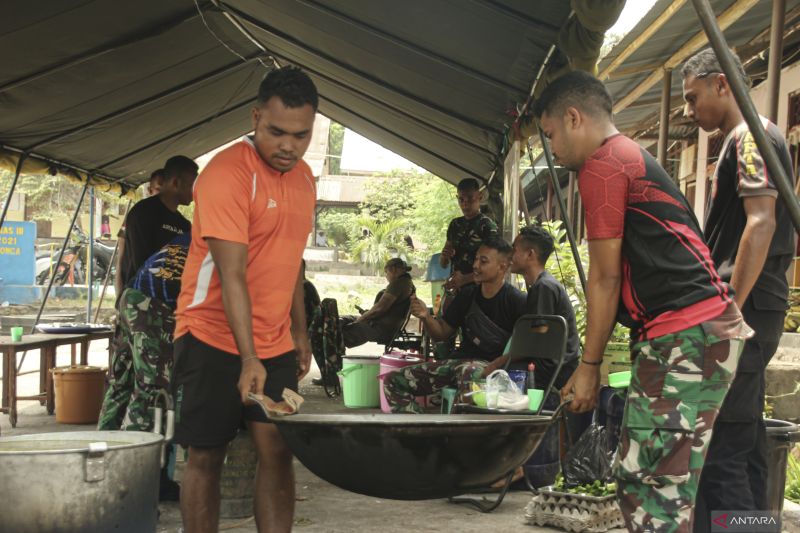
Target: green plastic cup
(535, 398)
(16, 333)
(448, 399)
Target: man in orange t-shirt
(240, 317)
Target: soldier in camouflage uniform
(465, 235)
(485, 312)
(142, 359)
(677, 385)
(652, 271)
(142, 362)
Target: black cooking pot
(412, 457)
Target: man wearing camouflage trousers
(143, 358)
(649, 261)
(142, 362)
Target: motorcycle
(72, 270)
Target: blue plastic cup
(518, 377)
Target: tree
(435, 205)
(381, 242)
(335, 142)
(390, 198)
(49, 196)
(420, 203)
(339, 224)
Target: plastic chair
(534, 336)
(540, 337)
(402, 339)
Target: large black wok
(412, 457)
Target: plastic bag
(503, 393)
(590, 458)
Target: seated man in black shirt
(485, 312)
(380, 322)
(546, 296)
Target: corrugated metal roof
(643, 113)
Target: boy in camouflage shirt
(465, 235)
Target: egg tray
(573, 512)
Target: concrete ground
(321, 507)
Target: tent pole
(110, 268)
(663, 121)
(564, 215)
(61, 255)
(23, 156)
(775, 58)
(90, 258)
(726, 61)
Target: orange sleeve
(223, 194)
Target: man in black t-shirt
(546, 296)
(155, 221)
(485, 312)
(150, 189)
(751, 239)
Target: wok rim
(396, 420)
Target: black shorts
(208, 406)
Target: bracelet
(591, 363)
(248, 358)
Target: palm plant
(380, 242)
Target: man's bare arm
(230, 260)
(439, 330)
(602, 300)
(118, 274)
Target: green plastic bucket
(360, 385)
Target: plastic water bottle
(531, 376)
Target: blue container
(518, 377)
